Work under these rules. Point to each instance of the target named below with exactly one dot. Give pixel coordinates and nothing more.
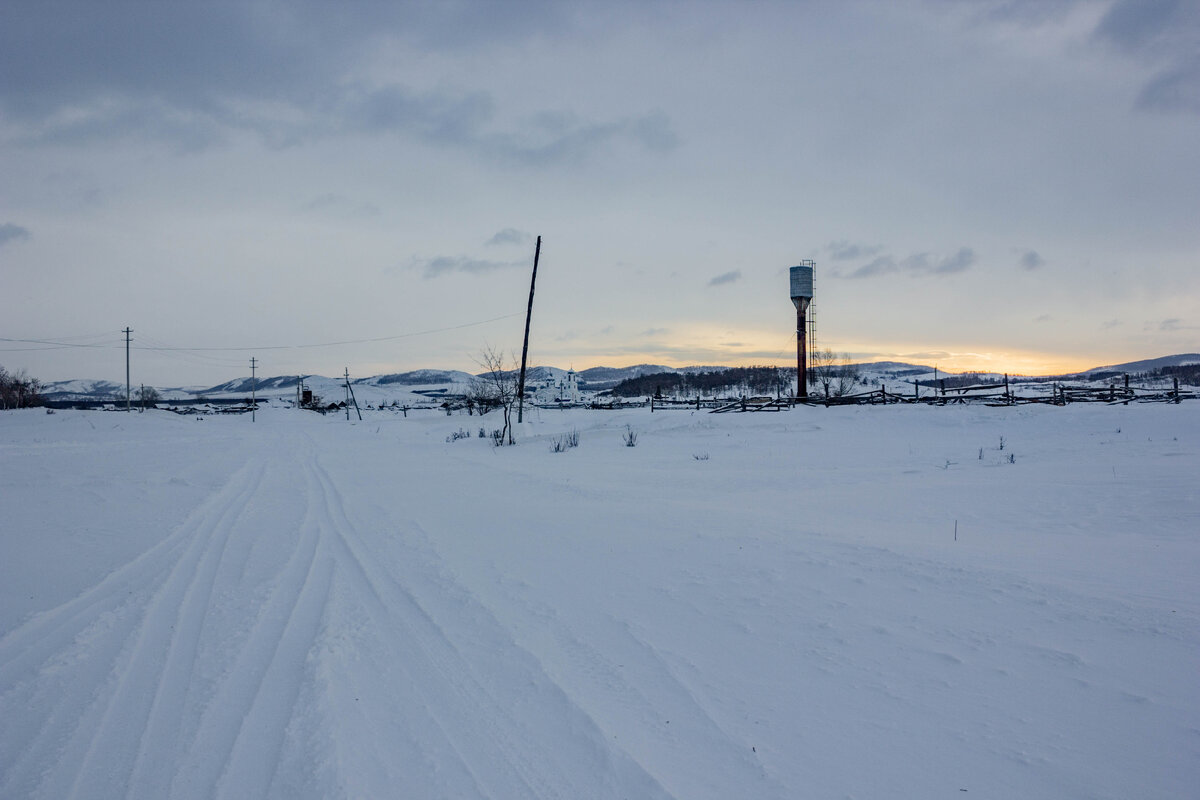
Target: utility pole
(253, 387)
(525, 347)
(127, 332)
(350, 398)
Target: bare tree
(832, 373)
(148, 396)
(18, 390)
(496, 387)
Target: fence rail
(1004, 394)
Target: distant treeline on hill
(955, 381)
(742, 380)
(1186, 373)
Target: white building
(563, 389)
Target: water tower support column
(801, 350)
(801, 277)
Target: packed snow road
(819, 603)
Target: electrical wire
(58, 343)
(201, 359)
(334, 344)
(61, 343)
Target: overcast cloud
(915, 264)
(442, 265)
(510, 236)
(12, 233)
(1031, 260)
(726, 277)
(234, 174)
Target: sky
(998, 185)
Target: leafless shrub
(495, 387)
(831, 373)
(560, 444)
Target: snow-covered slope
(454, 381)
(601, 378)
(420, 377)
(1149, 364)
(844, 602)
(896, 369)
(82, 388)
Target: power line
(61, 343)
(187, 357)
(338, 344)
(58, 344)
(43, 349)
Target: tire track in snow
(511, 727)
(174, 619)
(241, 733)
(105, 632)
(49, 632)
(44, 712)
(656, 711)
(410, 636)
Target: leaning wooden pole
(525, 346)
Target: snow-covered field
(741, 606)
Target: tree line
(829, 375)
(1186, 373)
(745, 380)
(18, 390)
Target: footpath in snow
(854, 602)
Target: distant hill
(601, 378)
(1148, 365)
(244, 385)
(419, 377)
(593, 379)
(78, 389)
(895, 369)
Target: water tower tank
(802, 283)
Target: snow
(842, 602)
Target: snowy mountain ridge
(1180, 360)
(592, 378)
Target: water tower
(802, 292)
